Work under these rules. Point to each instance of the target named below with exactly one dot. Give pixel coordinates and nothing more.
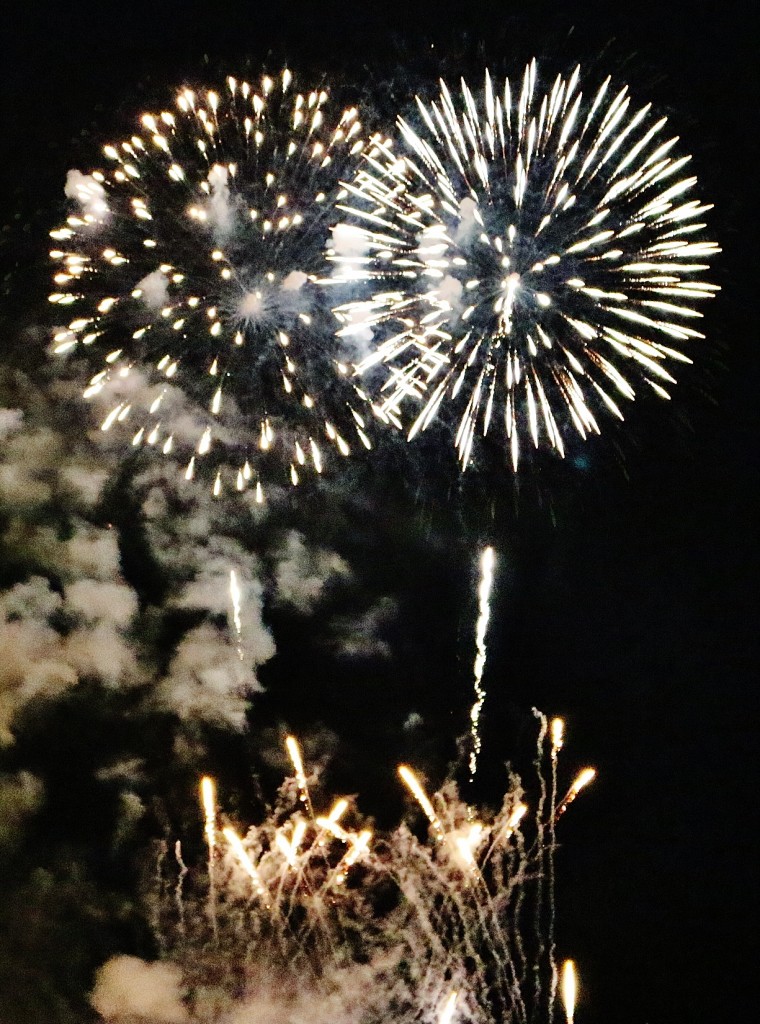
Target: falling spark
(526, 257)
(487, 562)
(569, 989)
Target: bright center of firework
(484, 278)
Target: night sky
(625, 586)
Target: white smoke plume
(21, 795)
(348, 240)
(10, 421)
(302, 573)
(89, 193)
(358, 637)
(220, 206)
(154, 289)
(467, 221)
(132, 991)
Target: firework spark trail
(582, 779)
(294, 752)
(487, 562)
(557, 738)
(190, 275)
(208, 802)
(421, 929)
(529, 258)
(569, 990)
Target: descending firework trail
(317, 918)
(529, 257)
(487, 561)
(194, 262)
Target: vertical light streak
(487, 562)
(235, 598)
(557, 736)
(569, 990)
(208, 801)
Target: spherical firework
(191, 275)
(533, 257)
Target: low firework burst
(527, 259)
(313, 916)
(189, 275)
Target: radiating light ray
(487, 563)
(507, 260)
(190, 271)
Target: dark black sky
(632, 609)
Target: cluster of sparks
(529, 257)
(195, 259)
(309, 893)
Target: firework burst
(190, 276)
(528, 259)
(313, 915)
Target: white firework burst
(190, 274)
(525, 259)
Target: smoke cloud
(131, 991)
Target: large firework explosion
(189, 275)
(313, 915)
(524, 258)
